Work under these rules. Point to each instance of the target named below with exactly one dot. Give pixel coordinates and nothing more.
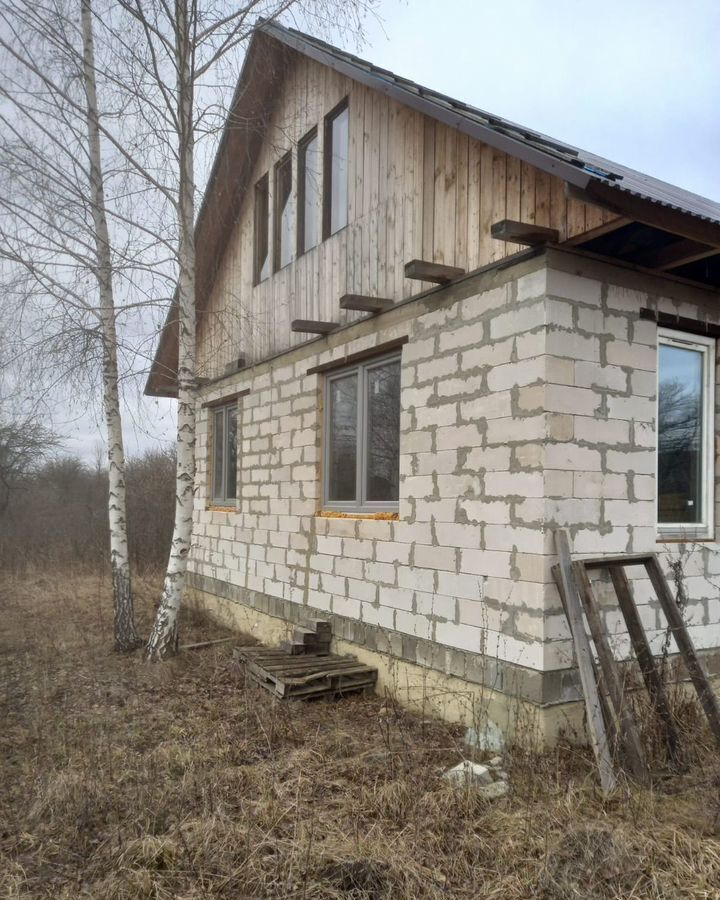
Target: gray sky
(635, 81)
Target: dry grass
(122, 780)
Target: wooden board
(596, 727)
(624, 723)
(417, 189)
(679, 631)
(646, 660)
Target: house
(428, 337)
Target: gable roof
(590, 177)
(570, 163)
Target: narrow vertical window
(335, 201)
(261, 236)
(224, 438)
(685, 460)
(282, 221)
(362, 437)
(308, 192)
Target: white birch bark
(126, 637)
(163, 639)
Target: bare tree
(190, 38)
(55, 224)
(24, 445)
(165, 61)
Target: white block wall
(525, 406)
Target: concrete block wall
(601, 399)
(528, 400)
(463, 564)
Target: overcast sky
(635, 81)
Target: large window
(685, 463)
(336, 151)
(225, 454)
(282, 228)
(308, 192)
(261, 234)
(362, 437)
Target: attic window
(336, 153)
(282, 221)
(261, 234)
(308, 192)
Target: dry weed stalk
(126, 781)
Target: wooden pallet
(304, 677)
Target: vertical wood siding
(416, 189)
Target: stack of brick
(314, 638)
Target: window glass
(283, 212)
(336, 168)
(224, 476)
(681, 434)
(262, 248)
(342, 438)
(309, 188)
(218, 447)
(362, 437)
(383, 431)
(231, 454)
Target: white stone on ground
(494, 791)
(469, 774)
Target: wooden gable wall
(417, 189)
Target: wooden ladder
(601, 682)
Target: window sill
(378, 516)
(685, 537)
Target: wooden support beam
(523, 233)
(625, 728)
(599, 231)
(679, 631)
(437, 273)
(361, 303)
(627, 559)
(649, 212)
(235, 365)
(308, 326)
(596, 727)
(677, 254)
(681, 323)
(646, 661)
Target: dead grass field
(123, 780)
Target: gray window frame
(360, 504)
(225, 409)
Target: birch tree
(191, 38)
(126, 637)
(170, 62)
(55, 227)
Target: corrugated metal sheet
(577, 166)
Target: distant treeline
(58, 515)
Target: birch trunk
(164, 637)
(126, 637)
